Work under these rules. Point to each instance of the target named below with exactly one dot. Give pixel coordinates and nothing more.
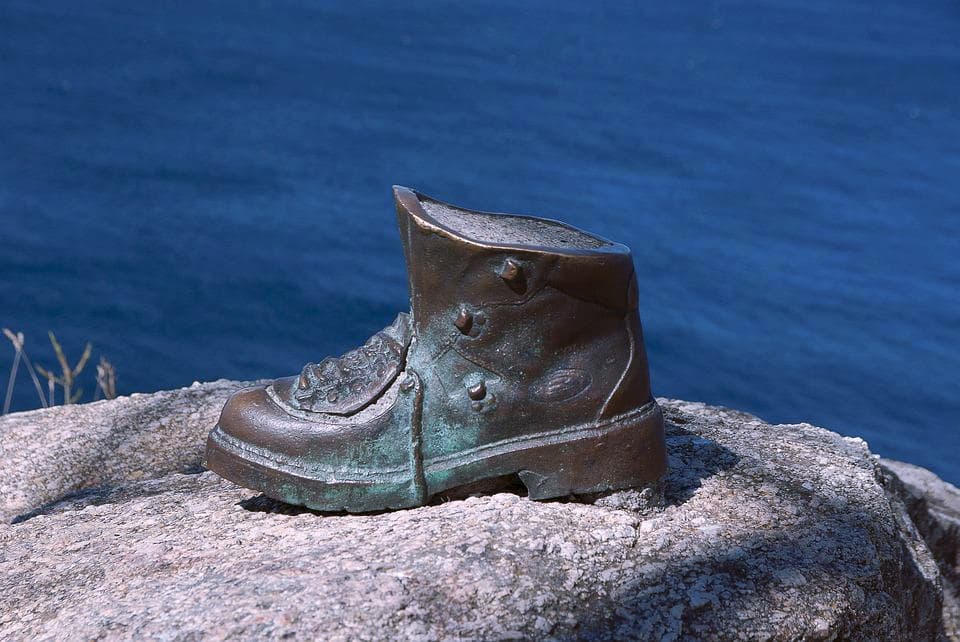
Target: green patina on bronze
(522, 355)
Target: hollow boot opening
(485, 227)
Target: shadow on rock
(770, 586)
(692, 459)
(263, 504)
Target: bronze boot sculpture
(522, 355)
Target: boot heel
(631, 454)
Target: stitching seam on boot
(626, 369)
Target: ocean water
(201, 189)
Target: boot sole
(621, 452)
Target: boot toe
(253, 419)
(256, 421)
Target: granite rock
(758, 532)
(934, 506)
(48, 453)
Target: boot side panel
(549, 362)
(633, 387)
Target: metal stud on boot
(522, 355)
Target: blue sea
(202, 189)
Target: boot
(522, 355)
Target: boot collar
(494, 229)
(543, 251)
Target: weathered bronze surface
(522, 355)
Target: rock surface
(46, 454)
(758, 532)
(934, 507)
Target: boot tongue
(344, 385)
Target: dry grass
(106, 380)
(65, 381)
